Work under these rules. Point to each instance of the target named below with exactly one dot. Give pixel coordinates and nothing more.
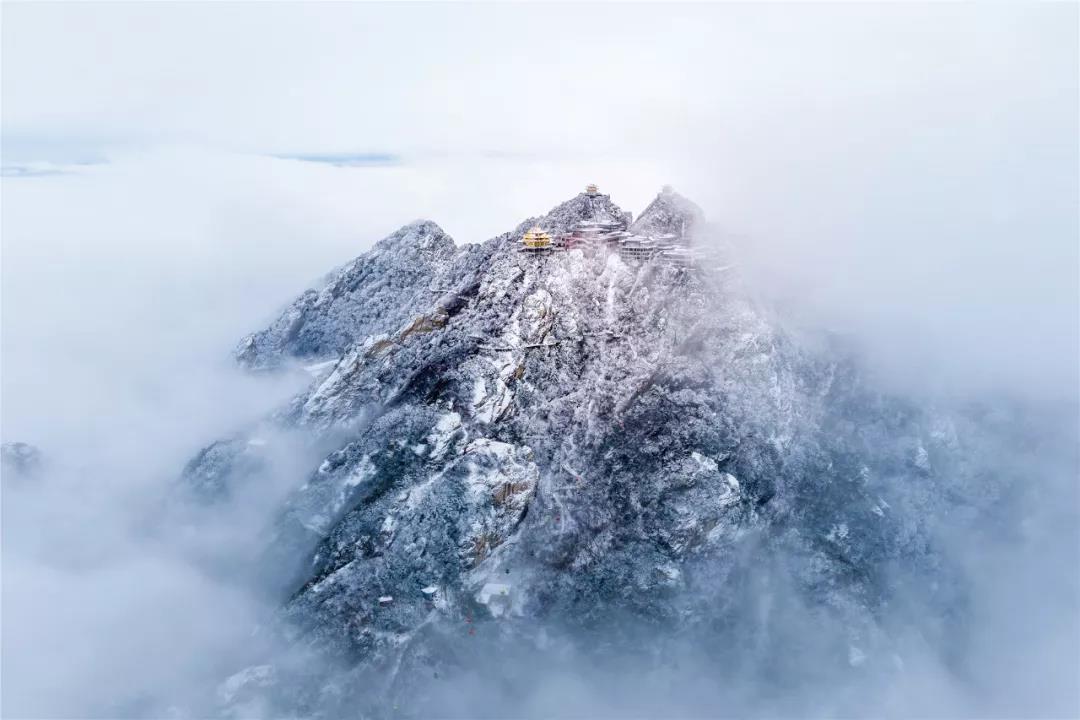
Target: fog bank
(904, 177)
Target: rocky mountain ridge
(557, 451)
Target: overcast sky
(904, 173)
(541, 80)
(908, 171)
(525, 78)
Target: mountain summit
(670, 215)
(533, 454)
(396, 280)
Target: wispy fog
(905, 176)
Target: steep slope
(670, 215)
(568, 446)
(372, 294)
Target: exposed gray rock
(220, 466)
(568, 446)
(670, 215)
(372, 294)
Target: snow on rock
(372, 294)
(669, 215)
(496, 598)
(256, 676)
(222, 466)
(572, 438)
(444, 432)
(317, 370)
(732, 481)
(922, 459)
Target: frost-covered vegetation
(534, 462)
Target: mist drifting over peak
(781, 422)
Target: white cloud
(905, 172)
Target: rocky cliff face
(555, 451)
(670, 215)
(376, 291)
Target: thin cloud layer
(906, 175)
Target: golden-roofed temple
(591, 189)
(535, 240)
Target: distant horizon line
(344, 159)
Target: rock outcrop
(569, 446)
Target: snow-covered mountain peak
(669, 215)
(370, 295)
(523, 443)
(417, 236)
(582, 208)
(397, 280)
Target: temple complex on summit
(592, 236)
